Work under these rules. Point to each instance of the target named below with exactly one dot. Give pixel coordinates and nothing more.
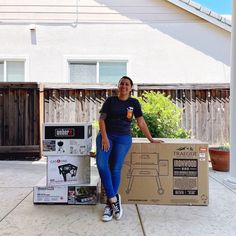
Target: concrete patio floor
(19, 216)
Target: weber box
(174, 172)
(67, 138)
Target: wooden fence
(24, 107)
(19, 120)
(75, 103)
(205, 107)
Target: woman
(114, 141)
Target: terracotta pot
(219, 159)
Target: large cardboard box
(68, 170)
(174, 172)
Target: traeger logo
(185, 151)
(64, 132)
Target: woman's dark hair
(126, 77)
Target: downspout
(232, 178)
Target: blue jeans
(110, 163)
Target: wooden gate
(19, 120)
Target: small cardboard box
(68, 170)
(174, 172)
(86, 194)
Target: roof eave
(198, 12)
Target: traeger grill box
(174, 172)
(67, 138)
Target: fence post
(41, 117)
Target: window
(83, 72)
(12, 71)
(97, 72)
(111, 72)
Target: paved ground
(19, 216)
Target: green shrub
(162, 117)
(224, 147)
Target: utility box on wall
(174, 172)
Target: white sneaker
(108, 213)
(117, 208)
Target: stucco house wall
(160, 42)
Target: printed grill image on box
(67, 138)
(174, 172)
(67, 170)
(82, 195)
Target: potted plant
(219, 157)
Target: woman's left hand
(156, 141)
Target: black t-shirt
(119, 114)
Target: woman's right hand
(105, 144)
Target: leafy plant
(161, 115)
(224, 147)
(95, 124)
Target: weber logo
(64, 132)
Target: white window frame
(93, 59)
(12, 58)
